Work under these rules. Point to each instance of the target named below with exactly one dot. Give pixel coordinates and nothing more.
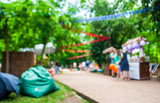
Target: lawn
(56, 97)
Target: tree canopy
(29, 22)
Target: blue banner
(116, 16)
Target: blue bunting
(140, 11)
(130, 13)
(106, 17)
(144, 10)
(116, 16)
(109, 17)
(120, 15)
(97, 19)
(137, 11)
(103, 18)
(123, 14)
(94, 19)
(134, 12)
(113, 16)
(88, 19)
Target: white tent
(39, 47)
(49, 48)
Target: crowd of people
(118, 58)
(85, 65)
(82, 66)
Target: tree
(33, 22)
(119, 30)
(150, 28)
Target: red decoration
(90, 42)
(88, 34)
(77, 51)
(81, 56)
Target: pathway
(105, 89)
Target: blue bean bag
(8, 83)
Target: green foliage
(150, 29)
(119, 30)
(29, 23)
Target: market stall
(138, 64)
(107, 71)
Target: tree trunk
(7, 47)
(157, 54)
(109, 42)
(148, 49)
(41, 61)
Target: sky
(83, 13)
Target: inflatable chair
(8, 83)
(37, 82)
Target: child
(116, 59)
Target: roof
(138, 39)
(108, 50)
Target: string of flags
(116, 16)
(90, 42)
(76, 51)
(102, 18)
(81, 56)
(79, 31)
(101, 38)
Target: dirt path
(105, 89)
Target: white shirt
(74, 64)
(83, 64)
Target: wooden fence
(19, 62)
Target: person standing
(112, 61)
(84, 65)
(117, 57)
(124, 65)
(112, 57)
(88, 63)
(57, 67)
(74, 65)
(80, 66)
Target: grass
(55, 97)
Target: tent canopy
(138, 39)
(108, 50)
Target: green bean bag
(37, 82)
